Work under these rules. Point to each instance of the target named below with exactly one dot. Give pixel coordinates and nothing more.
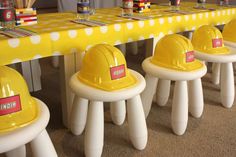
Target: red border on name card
(117, 72)
(13, 102)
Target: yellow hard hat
(104, 67)
(17, 107)
(175, 52)
(229, 31)
(208, 39)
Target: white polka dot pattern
(88, 31)
(151, 22)
(161, 21)
(170, 19)
(55, 36)
(130, 40)
(141, 24)
(141, 38)
(186, 17)
(35, 39)
(117, 42)
(37, 57)
(129, 25)
(178, 18)
(103, 29)
(13, 43)
(117, 27)
(151, 36)
(88, 47)
(56, 53)
(16, 61)
(72, 33)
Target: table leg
(26, 72)
(179, 114)
(55, 61)
(36, 74)
(189, 35)
(78, 60)
(118, 111)
(78, 115)
(148, 93)
(67, 69)
(163, 92)
(216, 73)
(137, 123)
(122, 48)
(150, 46)
(94, 132)
(17, 152)
(32, 73)
(69, 64)
(133, 47)
(227, 84)
(196, 103)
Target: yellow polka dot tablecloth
(56, 34)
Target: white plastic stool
(179, 115)
(226, 73)
(94, 131)
(13, 142)
(232, 45)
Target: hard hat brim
(26, 121)
(191, 66)
(125, 82)
(230, 39)
(221, 50)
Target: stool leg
(148, 93)
(196, 103)
(118, 112)
(137, 123)
(18, 152)
(179, 117)
(78, 115)
(42, 146)
(227, 84)
(94, 131)
(163, 92)
(216, 73)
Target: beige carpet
(213, 135)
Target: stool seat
(95, 94)
(230, 43)
(170, 74)
(219, 58)
(34, 133)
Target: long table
(58, 35)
